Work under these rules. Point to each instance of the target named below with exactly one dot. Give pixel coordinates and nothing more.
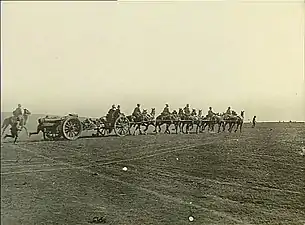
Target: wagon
(70, 127)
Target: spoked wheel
(121, 126)
(71, 128)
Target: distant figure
(253, 121)
(14, 132)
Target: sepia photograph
(152, 112)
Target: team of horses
(183, 123)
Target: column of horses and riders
(184, 120)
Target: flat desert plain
(253, 177)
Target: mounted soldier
(117, 112)
(210, 113)
(109, 116)
(228, 112)
(17, 113)
(187, 111)
(194, 113)
(137, 112)
(166, 111)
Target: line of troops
(187, 112)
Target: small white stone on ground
(125, 168)
(177, 158)
(191, 218)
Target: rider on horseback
(117, 112)
(17, 113)
(166, 111)
(210, 113)
(137, 111)
(228, 112)
(194, 113)
(109, 116)
(186, 110)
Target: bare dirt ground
(257, 177)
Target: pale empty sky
(60, 57)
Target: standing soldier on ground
(253, 121)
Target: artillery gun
(70, 127)
(55, 127)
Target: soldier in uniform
(39, 127)
(117, 112)
(166, 111)
(110, 113)
(186, 110)
(210, 113)
(228, 112)
(194, 113)
(137, 111)
(18, 112)
(253, 121)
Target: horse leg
(167, 129)
(231, 127)
(183, 124)
(139, 128)
(134, 132)
(4, 127)
(224, 126)
(160, 128)
(26, 130)
(146, 127)
(237, 126)
(15, 140)
(240, 127)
